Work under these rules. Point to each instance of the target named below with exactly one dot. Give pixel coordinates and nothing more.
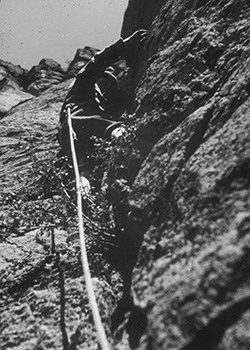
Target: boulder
(11, 89)
(51, 65)
(13, 71)
(82, 57)
(42, 76)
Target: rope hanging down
(89, 286)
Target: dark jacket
(84, 91)
(86, 100)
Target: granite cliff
(187, 191)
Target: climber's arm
(103, 59)
(84, 84)
(111, 54)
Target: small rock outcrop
(82, 57)
(11, 86)
(18, 85)
(10, 70)
(47, 73)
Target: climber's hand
(118, 133)
(85, 186)
(137, 38)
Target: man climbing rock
(95, 103)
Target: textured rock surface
(11, 96)
(189, 203)
(12, 70)
(139, 15)
(192, 191)
(47, 73)
(82, 57)
(11, 92)
(43, 300)
(42, 292)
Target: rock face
(11, 92)
(11, 96)
(40, 266)
(82, 57)
(188, 197)
(18, 85)
(36, 246)
(139, 15)
(47, 73)
(10, 70)
(192, 190)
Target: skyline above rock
(54, 29)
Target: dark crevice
(211, 335)
(212, 55)
(14, 133)
(2, 114)
(136, 326)
(134, 318)
(124, 306)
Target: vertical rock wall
(192, 190)
(139, 15)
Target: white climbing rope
(89, 286)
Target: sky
(34, 29)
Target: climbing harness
(89, 286)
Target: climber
(95, 101)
